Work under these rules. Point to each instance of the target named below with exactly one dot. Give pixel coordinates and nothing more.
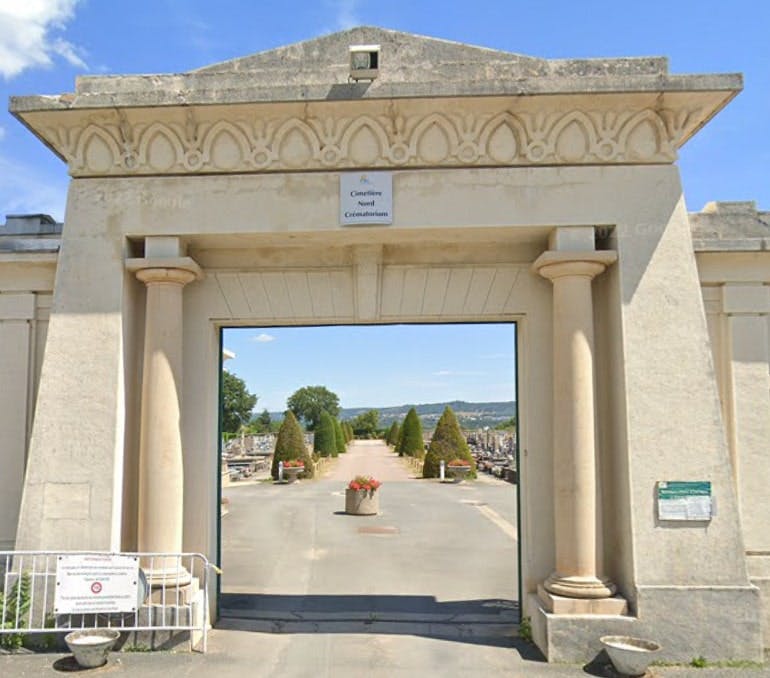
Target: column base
(164, 575)
(579, 587)
(600, 606)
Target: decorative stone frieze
(246, 138)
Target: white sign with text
(96, 583)
(366, 198)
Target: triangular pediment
(406, 57)
(400, 50)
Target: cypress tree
(339, 437)
(447, 443)
(324, 444)
(392, 437)
(410, 441)
(290, 445)
(348, 428)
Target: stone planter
(458, 472)
(362, 502)
(291, 473)
(630, 656)
(91, 646)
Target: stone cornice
(463, 132)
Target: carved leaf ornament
(311, 143)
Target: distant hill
(470, 415)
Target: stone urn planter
(362, 496)
(630, 656)
(458, 473)
(292, 471)
(91, 646)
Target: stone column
(161, 473)
(577, 572)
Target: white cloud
(345, 15)
(263, 338)
(29, 35)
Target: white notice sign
(366, 198)
(691, 500)
(96, 583)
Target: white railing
(28, 582)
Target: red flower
(366, 483)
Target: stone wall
(28, 247)
(731, 241)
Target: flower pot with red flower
(362, 496)
(292, 468)
(458, 469)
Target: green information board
(685, 500)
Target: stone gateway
(543, 192)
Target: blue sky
(377, 366)
(45, 44)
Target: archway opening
(439, 558)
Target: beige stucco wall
(736, 291)
(460, 249)
(26, 286)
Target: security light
(364, 62)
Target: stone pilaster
(578, 569)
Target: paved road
(368, 457)
(427, 588)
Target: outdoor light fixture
(364, 62)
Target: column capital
(557, 264)
(181, 270)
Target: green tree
(324, 444)
(410, 442)
(392, 436)
(237, 403)
(290, 445)
(264, 421)
(447, 443)
(367, 424)
(339, 437)
(309, 402)
(506, 425)
(348, 430)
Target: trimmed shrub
(448, 443)
(339, 437)
(410, 441)
(290, 446)
(392, 436)
(324, 443)
(348, 428)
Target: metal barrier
(28, 595)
